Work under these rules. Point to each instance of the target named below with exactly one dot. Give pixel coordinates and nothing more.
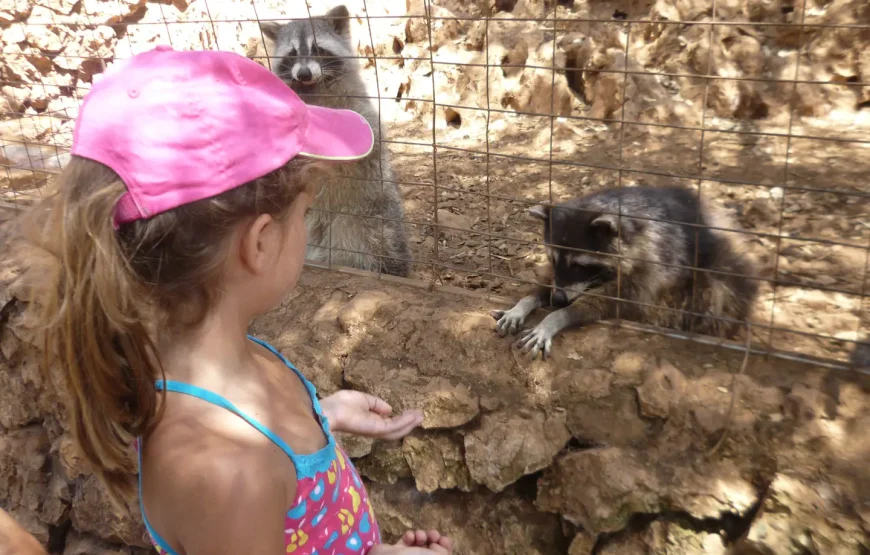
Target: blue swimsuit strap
(218, 400)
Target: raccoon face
(579, 244)
(311, 53)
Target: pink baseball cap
(179, 127)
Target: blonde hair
(96, 294)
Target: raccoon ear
(608, 223)
(539, 211)
(611, 224)
(270, 29)
(339, 18)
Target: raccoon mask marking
(311, 53)
(574, 238)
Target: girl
(180, 217)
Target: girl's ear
(258, 244)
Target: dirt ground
(821, 285)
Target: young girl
(180, 218)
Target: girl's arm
(14, 539)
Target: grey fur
(369, 231)
(654, 270)
(860, 357)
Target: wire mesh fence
(483, 110)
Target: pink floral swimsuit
(332, 514)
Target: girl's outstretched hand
(355, 412)
(417, 542)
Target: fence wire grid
(485, 109)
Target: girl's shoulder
(207, 463)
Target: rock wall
(603, 449)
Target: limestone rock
(23, 455)
(91, 49)
(361, 309)
(663, 388)
(509, 445)
(448, 406)
(444, 404)
(599, 489)
(709, 492)
(483, 523)
(56, 501)
(92, 512)
(583, 544)
(48, 39)
(788, 522)
(597, 411)
(629, 365)
(113, 13)
(805, 403)
(385, 464)
(437, 462)
(14, 10)
(78, 544)
(20, 385)
(664, 537)
(355, 446)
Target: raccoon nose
(304, 74)
(559, 298)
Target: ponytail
(92, 316)
(97, 295)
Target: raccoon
(860, 357)
(654, 269)
(317, 60)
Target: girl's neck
(215, 352)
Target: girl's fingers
(421, 538)
(432, 540)
(378, 405)
(400, 426)
(408, 538)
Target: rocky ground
(607, 448)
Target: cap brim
(337, 135)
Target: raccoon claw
(508, 321)
(535, 341)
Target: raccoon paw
(536, 340)
(508, 321)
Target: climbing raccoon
(317, 60)
(654, 269)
